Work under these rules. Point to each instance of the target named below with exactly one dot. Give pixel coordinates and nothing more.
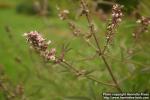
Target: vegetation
(25, 75)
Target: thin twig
(92, 78)
(87, 76)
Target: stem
(92, 78)
(105, 47)
(87, 76)
(70, 66)
(98, 46)
(111, 73)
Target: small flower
(51, 54)
(76, 31)
(138, 21)
(49, 42)
(116, 19)
(40, 45)
(63, 14)
(36, 40)
(142, 27)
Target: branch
(88, 17)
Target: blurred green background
(44, 81)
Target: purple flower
(40, 45)
(116, 19)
